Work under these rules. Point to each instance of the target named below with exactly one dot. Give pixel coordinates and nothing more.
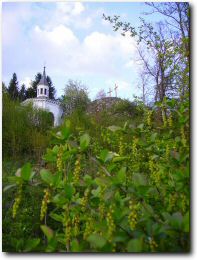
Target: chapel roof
(43, 80)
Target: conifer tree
(22, 93)
(13, 87)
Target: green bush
(24, 129)
(126, 193)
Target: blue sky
(74, 42)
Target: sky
(74, 42)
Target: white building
(44, 102)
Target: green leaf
(141, 126)
(120, 158)
(31, 244)
(69, 191)
(186, 222)
(26, 172)
(106, 156)
(8, 187)
(57, 217)
(114, 128)
(176, 220)
(61, 238)
(84, 141)
(96, 240)
(96, 192)
(88, 179)
(59, 199)
(75, 246)
(135, 245)
(139, 179)
(153, 137)
(65, 131)
(47, 177)
(50, 156)
(47, 231)
(55, 149)
(120, 178)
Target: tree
(32, 91)
(52, 90)
(22, 93)
(101, 94)
(13, 87)
(178, 18)
(163, 48)
(75, 96)
(4, 88)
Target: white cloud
(26, 81)
(60, 36)
(130, 64)
(78, 8)
(97, 53)
(70, 8)
(68, 13)
(67, 51)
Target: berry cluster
(59, 158)
(121, 146)
(89, 227)
(134, 212)
(164, 118)
(183, 139)
(134, 147)
(101, 210)
(154, 173)
(67, 225)
(84, 200)
(77, 170)
(167, 151)
(110, 223)
(149, 118)
(68, 230)
(45, 202)
(75, 223)
(183, 203)
(153, 245)
(17, 201)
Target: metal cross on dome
(115, 88)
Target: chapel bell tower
(43, 87)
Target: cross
(115, 88)
(44, 65)
(110, 91)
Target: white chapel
(44, 102)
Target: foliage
(23, 129)
(126, 191)
(101, 94)
(126, 107)
(13, 87)
(163, 48)
(75, 96)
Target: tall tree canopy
(75, 96)
(163, 48)
(13, 87)
(22, 93)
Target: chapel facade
(43, 101)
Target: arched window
(45, 91)
(41, 90)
